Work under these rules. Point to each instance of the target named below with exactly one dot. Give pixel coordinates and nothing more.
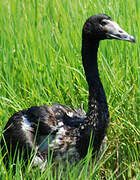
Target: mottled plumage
(59, 129)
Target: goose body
(42, 128)
(59, 129)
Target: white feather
(26, 124)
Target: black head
(101, 26)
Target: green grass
(40, 63)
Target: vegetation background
(40, 63)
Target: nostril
(120, 31)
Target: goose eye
(103, 23)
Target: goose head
(101, 26)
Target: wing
(24, 129)
(39, 126)
(71, 118)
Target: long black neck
(89, 59)
(98, 115)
